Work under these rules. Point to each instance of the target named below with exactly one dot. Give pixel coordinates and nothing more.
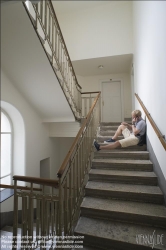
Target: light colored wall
(38, 145)
(18, 133)
(93, 83)
(104, 30)
(149, 67)
(63, 129)
(64, 144)
(37, 142)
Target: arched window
(12, 148)
(6, 149)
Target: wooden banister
(67, 158)
(19, 187)
(41, 181)
(53, 11)
(96, 92)
(154, 126)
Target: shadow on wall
(157, 169)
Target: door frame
(122, 97)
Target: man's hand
(134, 121)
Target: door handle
(103, 103)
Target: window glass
(5, 124)
(6, 150)
(5, 154)
(6, 180)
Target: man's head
(136, 114)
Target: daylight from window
(6, 149)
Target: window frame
(11, 148)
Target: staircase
(123, 207)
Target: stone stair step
(6, 238)
(103, 138)
(5, 233)
(122, 164)
(90, 248)
(134, 212)
(117, 235)
(110, 124)
(107, 133)
(131, 148)
(93, 248)
(130, 177)
(137, 155)
(104, 128)
(9, 229)
(132, 192)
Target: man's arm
(135, 130)
(132, 127)
(127, 124)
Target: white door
(111, 101)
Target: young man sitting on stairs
(134, 134)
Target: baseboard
(157, 169)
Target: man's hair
(136, 112)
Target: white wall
(33, 76)
(149, 66)
(18, 134)
(93, 83)
(64, 144)
(104, 30)
(38, 145)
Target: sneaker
(96, 145)
(110, 140)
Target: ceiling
(89, 67)
(62, 7)
(111, 65)
(25, 63)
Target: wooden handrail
(154, 126)
(67, 158)
(19, 187)
(41, 181)
(53, 11)
(96, 92)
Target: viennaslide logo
(152, 240)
